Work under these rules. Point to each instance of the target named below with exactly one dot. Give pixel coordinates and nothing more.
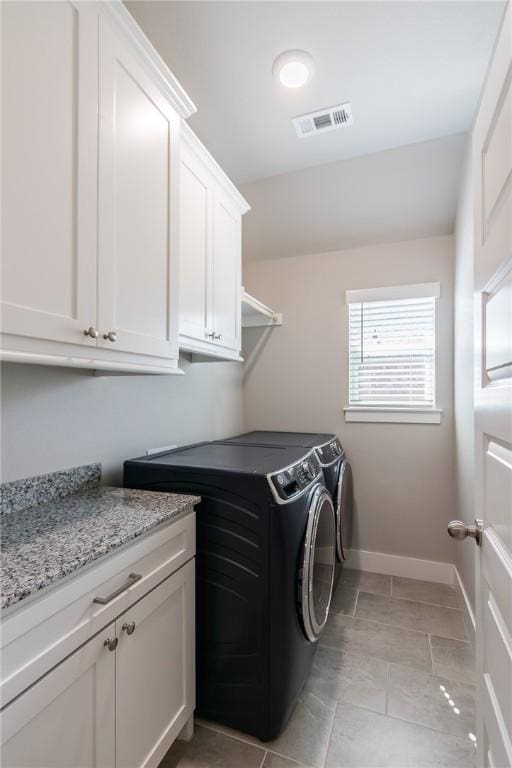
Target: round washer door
(318, 564)
(344, 511)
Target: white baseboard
(470, 615)
(398, 565)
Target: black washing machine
(337, 475)
(264, 573)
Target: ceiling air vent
(323, 120)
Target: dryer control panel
(290, 482)
(330, 452)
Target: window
(392, 354)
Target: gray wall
(54, 418)
(463, 379)
(296, 378)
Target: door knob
(129, 627)
(91, 332)
(111, 643)
(459, 530)
(110, 336)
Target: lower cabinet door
(155, 679)
(67, 719)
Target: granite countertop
(44, 543)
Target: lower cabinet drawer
(36, 637)
(121, 699)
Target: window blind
(392, 353)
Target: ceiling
(412, 71)
(404, 193)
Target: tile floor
(392, 684)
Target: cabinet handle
(129, 627)
(91, 332)
(132, 578)
(110, 336)
(111, 643)
(218, 336)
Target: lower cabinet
(67, 719)
(118, 701)
(155, 659)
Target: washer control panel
(327, 454)
(290, 482)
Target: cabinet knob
(217, 336)
(111, 643)
(210, 335)
(129, 627)
(91, 332)
(110, 336)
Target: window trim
(391, 414)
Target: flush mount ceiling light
(293, 68)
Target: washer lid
(243, 459)
(264, 437)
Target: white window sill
(394, 415)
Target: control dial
(309, 470)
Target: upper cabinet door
(138, 206)
(227, 250)
(49, 180)
(195, 248)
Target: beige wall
(464, 553)
(54, 418)
(405, 193)
(296, 378)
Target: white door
(49, 178)
(138, 206)
(227, 255)
(155, 658)
(196, 254)
(67, 719)
(492, 179)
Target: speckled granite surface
(45, 543)
(22, 494)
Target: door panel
(498, 329)
(49, 177)
(195, 250)
(68, 717)
(138, 176)
(496, 154)
(492, 164)
(155, 671)
(226, 274)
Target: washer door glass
(318, 565)
(344, 511)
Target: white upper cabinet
(195, 247)
(90, 207)
(227, 288)
(121, 235)
(138, 207)
(49, 170)
(211, 210)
